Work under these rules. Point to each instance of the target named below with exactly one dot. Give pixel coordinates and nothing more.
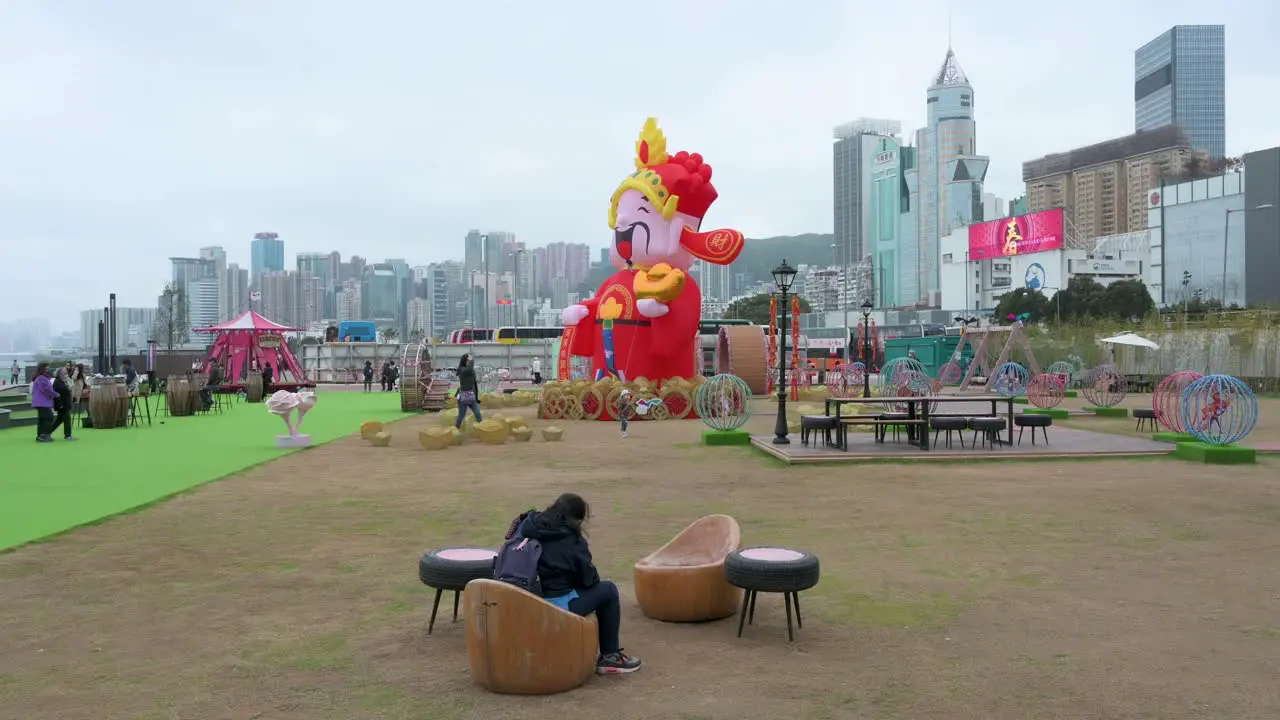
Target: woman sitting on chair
(569, 578)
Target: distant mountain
(762, 255)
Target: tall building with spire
(948, 182)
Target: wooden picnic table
(918, 412)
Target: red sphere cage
(1046, 390)
(839, 382)
(1166, 401)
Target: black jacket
(467, 378)
(64, 393)
(566, 560)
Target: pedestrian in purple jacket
(42, 399)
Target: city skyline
(332, 162)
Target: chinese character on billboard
(1018, 235)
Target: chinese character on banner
(255, 296)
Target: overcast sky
(135, 130)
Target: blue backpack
(517, 564)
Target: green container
(933, 351)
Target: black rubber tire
(982, 424)
(770, 575)
(1032, 420)
(434, 571)
(949, 423)
(1147, 413)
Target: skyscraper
(266, 253)
(219, 258)
(1180, 79)
(950, 176)
(854, 155)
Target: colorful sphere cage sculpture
(1219, 410)
(1010, 380)
(1166, 401)
(950, 373)
(839, 384)
(724, 402)
(889, 380)
(856, 374)
(913, 383)
(1069, 372)
(1047, 390)
(1104, 386)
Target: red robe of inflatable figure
(654, 348)
(653, 304)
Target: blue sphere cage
(1014, 377)
(1224, 426)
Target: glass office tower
(1180, 79)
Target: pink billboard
(1018, 235)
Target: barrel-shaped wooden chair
(684, 580)
(520, 644)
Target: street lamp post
(1186, 280)
(866, 348)
(783, 276)
(844, 304)
(1226, 226)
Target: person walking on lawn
(42, 399)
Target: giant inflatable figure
(643, 321)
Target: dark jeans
(462, 411)
(44, 421)
(63, 421)
(601, 599)
(537, 377)
(368, 384)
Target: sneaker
(44, 438)
(617, 663)
(624, 434)
(69, 437)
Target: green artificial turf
(46, 488)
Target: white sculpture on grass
(283, 403)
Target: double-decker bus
(511, 335)
(470, 335)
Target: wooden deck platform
(1063, 443)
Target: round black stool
(950, 425)
(452, 569)
(1145, 416)
(817, 423)
(989, 428)
(1033, 421)
(883, 430)
(771, 569)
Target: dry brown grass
(1109, 589)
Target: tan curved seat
(520, 644)
(684, 580)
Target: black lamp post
(783, 276)
(866, 348)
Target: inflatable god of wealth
(643, 321)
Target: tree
(756, 308)
(1127, 300)
(173, 321)
(1083, 298)
(1023, 300)
(389, 334)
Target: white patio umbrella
(1131, 340)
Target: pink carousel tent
(246, 343)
